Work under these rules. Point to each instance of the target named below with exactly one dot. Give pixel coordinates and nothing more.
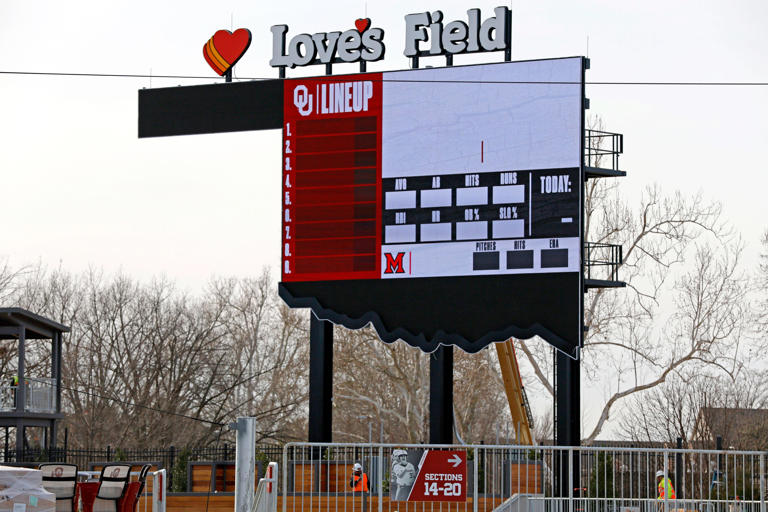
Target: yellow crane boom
(522, 420)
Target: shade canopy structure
(37, 327)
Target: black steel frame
(600, 144)
(603, 256)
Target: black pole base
(441, 396)
(320, 380)
(567, 422)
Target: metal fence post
(679, 469)
(570, 479)
(762, 482)
(272, 477)
(666, 482)
(245, 464)
(158, 491)
(475, 469)
(172, 463)
(381, 478)
(285, 477)
(364, 493)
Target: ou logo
(302, 99)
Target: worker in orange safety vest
(359, 480)
(665, 486)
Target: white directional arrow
(455, 460)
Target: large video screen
(400, 188)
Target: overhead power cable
(147, 407)
(392, 80)
(130, 404)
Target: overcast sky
(80, 189)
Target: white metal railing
(266, 492)
(40, 393)
(536, 478)
(542, 504)
(7, 398)
(159, 497)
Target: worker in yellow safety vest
(665, 486)
(359, 480)
(14, 387)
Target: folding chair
(112, 483)
(61, 480)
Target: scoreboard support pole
(441, 395)
(567, 421)
(320, 380)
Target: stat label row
(527, 256)
(481, 205)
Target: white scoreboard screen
(438, 173)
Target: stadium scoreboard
(462, 180)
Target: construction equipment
(522, 419)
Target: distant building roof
(37, 327)
(741, 429)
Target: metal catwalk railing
(602, 261)
(602, 149)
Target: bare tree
(672, 409)
(268, 347)
(481, 408)
(147, 365)
(9, 282)
(762, 285)
(544, 427)
(684, 301)
(387, 386)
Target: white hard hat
(660, 473)
(357, 467)
(398, 452)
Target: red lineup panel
(332, 178)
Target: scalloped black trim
(419, 339)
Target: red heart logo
(361, 24)
(224, 49)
